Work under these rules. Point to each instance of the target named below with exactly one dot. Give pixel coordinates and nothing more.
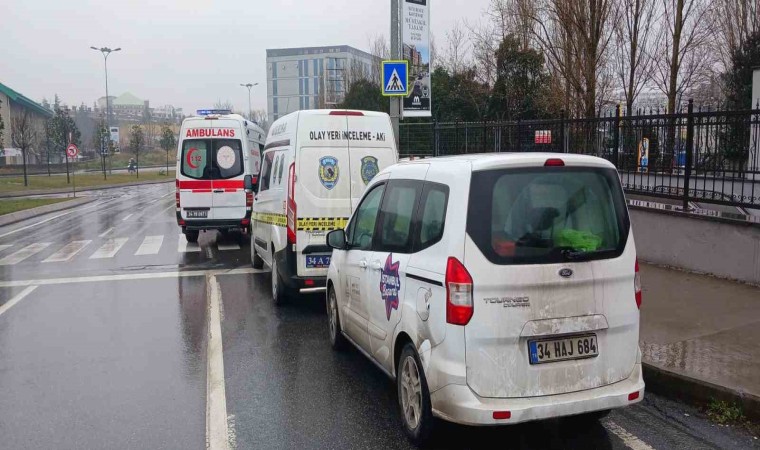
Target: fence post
(562, 131)
(616, 140)
(434, 138)
(689, 154)
(456, 137)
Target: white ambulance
(315, 167)
(218, 164)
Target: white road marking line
(169, 208)
(9, 304)
(24, 253)
(67, 252)
(628, 439)
(126, 217)
(187, 247)
(150, 246)
(110, 248)
(52, 218)
(106, 233)
(216, 398)
(129, 277)
(4, 246)
(223, 247)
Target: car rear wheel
(278, 290)
(337, 341)
(192, 235)
(414, 397)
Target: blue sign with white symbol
(395, 78)
(211, 112)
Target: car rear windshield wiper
(579, 255)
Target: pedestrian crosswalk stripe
(29, 250)
(186, 247)
(67, 252)
(110, 248)
(151, 245)
(223, 247)
(4, 246)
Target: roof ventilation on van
(554, 162)
(346, 113)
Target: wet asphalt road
(111, 352)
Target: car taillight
(637, 285)
(459, 306)
(176, 193)
(292, 204)
(248, 200)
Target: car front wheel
(414, 397)
(337, 341)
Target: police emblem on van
(329, 171)
(369, 168)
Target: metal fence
(704, 156)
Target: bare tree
(379, 48)
(734, 21)
(24, 136)
(633, 48)
(455, 55)
(575, 36)
(684, 58)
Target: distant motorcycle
(132, 167)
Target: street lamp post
(106, 51)
(249, 86)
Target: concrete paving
(702, 327)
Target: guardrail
(694, 155)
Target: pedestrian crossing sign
(395, 78)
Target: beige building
(14, 104)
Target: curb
(9, 219)
(67, 191)
(696, 392)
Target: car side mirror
(337, 240)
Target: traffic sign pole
(396, 102)
(71, 152)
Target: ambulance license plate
(317, 261)
(571, 347)
(196, 213)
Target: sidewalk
(700, 337)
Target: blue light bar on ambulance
(209, 112)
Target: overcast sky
(187, 53)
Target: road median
(18, 216)
(33, 192)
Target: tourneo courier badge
(328, 172)
(369, 168)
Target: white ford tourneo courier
(496, 289)
(316, 165)
(218, 162)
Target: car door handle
(376, 265)
(363, 264)
(218, 191)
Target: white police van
(315, 167)
(495, 289)
(218, 163)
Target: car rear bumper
(206, 224)
(287, 266)
(458, 403)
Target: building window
(274, 87)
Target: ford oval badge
(566, 273)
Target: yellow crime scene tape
(304, 223)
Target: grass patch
(725, 413)
(16, 184)
(11, 206)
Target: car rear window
(226, 159)
(547, 215)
